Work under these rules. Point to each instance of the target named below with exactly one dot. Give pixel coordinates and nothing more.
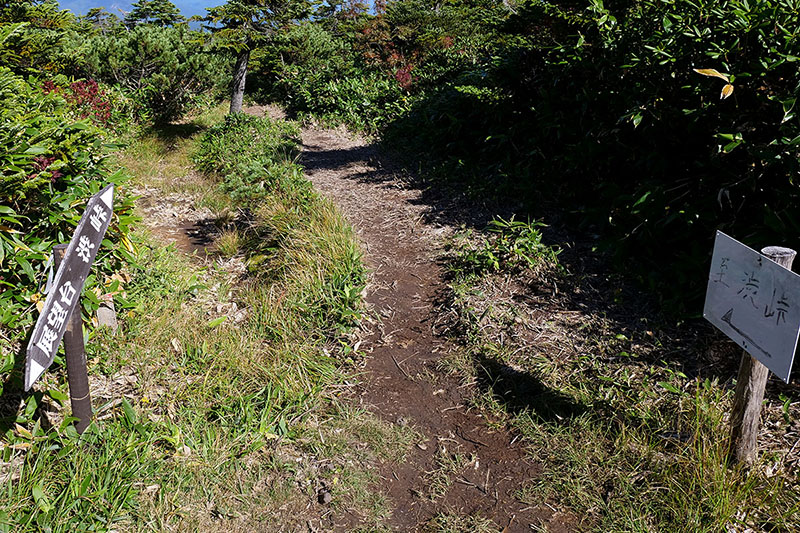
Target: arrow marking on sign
(108, 197)
(727, 319)
(35, 371)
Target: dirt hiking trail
(402, 384)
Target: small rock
(107, 316)
(324, 497)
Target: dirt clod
(324, 497)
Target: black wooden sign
(66, 289)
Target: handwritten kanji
(719, 276)
(57, 315)
(46, 340)
(777, 307)
(67, 292)
(750, 288)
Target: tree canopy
(242, 25)
(158, 12)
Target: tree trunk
(237, 84)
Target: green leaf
(40, 498)
(27, 268)
(216, 322)
(130, 414)
(669, 387)
(92, 297)
(84, 486)
(58, 396)
(642, 199)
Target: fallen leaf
(711, 72)
(22, 432)
(726, 92)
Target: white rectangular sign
(755, 302)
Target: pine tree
(243, 25)
(158, 12)
(100, 19)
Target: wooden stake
(750, 385)
(77, 375)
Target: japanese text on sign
(67, 285)
(755, 302)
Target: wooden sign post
(750, 386)
(755, 300)
(61, 316)
(77, 375)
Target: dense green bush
(622, 114)
(254, 156)
(164, 69)
(50, 164)
(41, 39)
(314, 72)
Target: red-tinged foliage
(90, 100)
(404, 78)
(42, 163)
(85, 97)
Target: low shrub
(294, 236)
(164, 69)
(50, 164)
(314, 72)
(253, 156)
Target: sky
(187, 7)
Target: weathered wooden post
(75, 351)
(754, 298)
(750, 385)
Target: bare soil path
(463, 466)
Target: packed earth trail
(402, 383)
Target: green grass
(628, 441)
(161, 158)
(220, 400)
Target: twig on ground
(399, 367)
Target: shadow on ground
(13, 398)
(520, 391)
(169, 134)
(591, 285)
